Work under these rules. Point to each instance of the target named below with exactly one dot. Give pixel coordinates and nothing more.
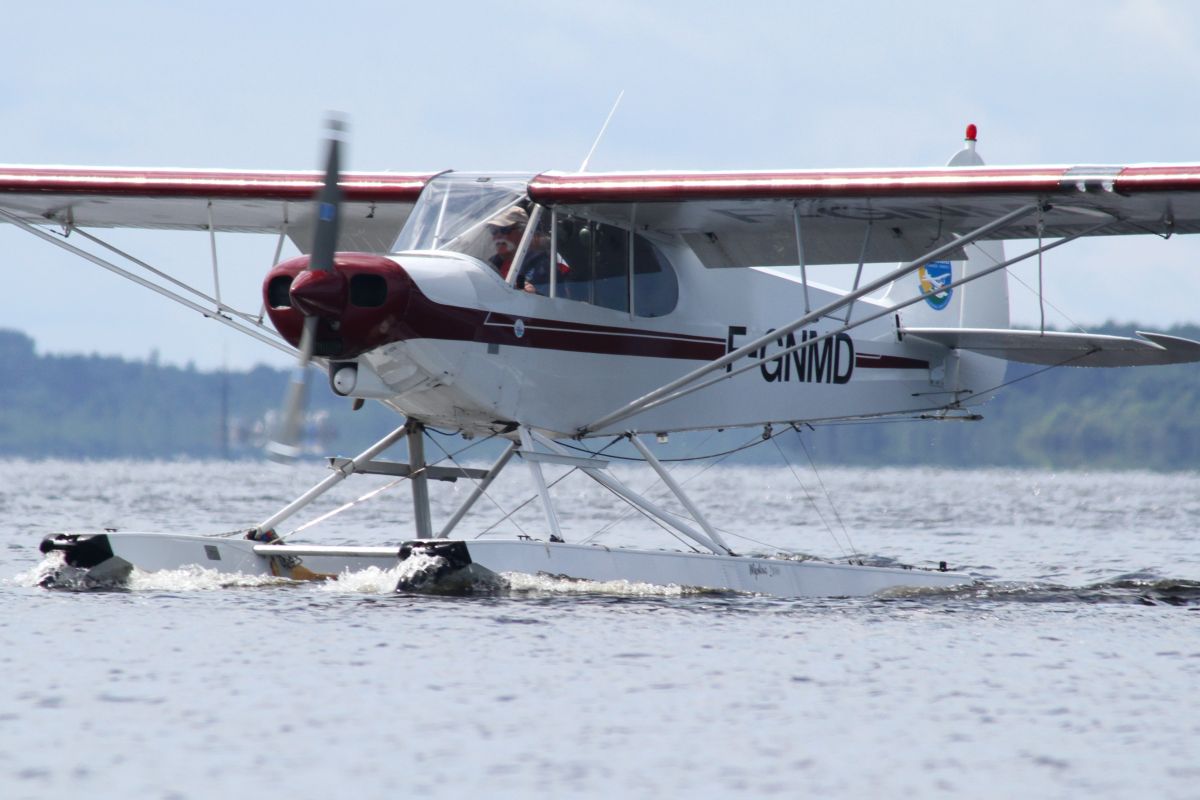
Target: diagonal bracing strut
(687, 383)
(961, 241)
(870, 318)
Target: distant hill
(103, 407)
(1059, 418)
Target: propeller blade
(285, 447)
(329, 203)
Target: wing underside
(729, 219)
(378, 204)
(752, 219)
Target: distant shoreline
(105, 408)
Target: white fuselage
(557, 364)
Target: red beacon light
(972, 132)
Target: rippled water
(1069, 669)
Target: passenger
(535, 270)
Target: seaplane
(561, 310)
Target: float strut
(479, 489)
(415, 431)
(674, 486)
(340, 474)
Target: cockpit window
(453, 211)
(489, 217)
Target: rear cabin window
(595, 268)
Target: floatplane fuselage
(466, 351)
(540, 308)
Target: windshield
(453, 211)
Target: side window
(575, 248)
(610, 270)
(595, 268)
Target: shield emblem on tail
(933, 277)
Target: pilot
(506, 229)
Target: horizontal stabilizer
(1068, 349)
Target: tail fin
(979, 304)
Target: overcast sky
(526, 85)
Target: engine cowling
(359, 305)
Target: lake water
(1070, 669)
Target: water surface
(1068, 669)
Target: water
(1070, 669)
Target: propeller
(319, 281)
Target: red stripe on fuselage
(871, 361)
(427, 319)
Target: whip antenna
(583, 167)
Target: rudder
(980, 304)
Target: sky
(526, 86)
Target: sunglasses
(507, 229)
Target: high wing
(729, 218)
(377, 204)
(376, 208)
(736, 219)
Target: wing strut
(665, 393)
(212, 241)
(800, 255)
(253, 330)
(885, 312)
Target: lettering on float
(828, 361)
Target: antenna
(603, 128)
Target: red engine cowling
(360, 305)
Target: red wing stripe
(630, 187)
(1165, 178)
(266, 185)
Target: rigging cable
(530, 499)
(742, 536)
(491, 499)
(758, 439)
(828, 497)
(811, 501)
(1012, 274)
(1035, 373)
